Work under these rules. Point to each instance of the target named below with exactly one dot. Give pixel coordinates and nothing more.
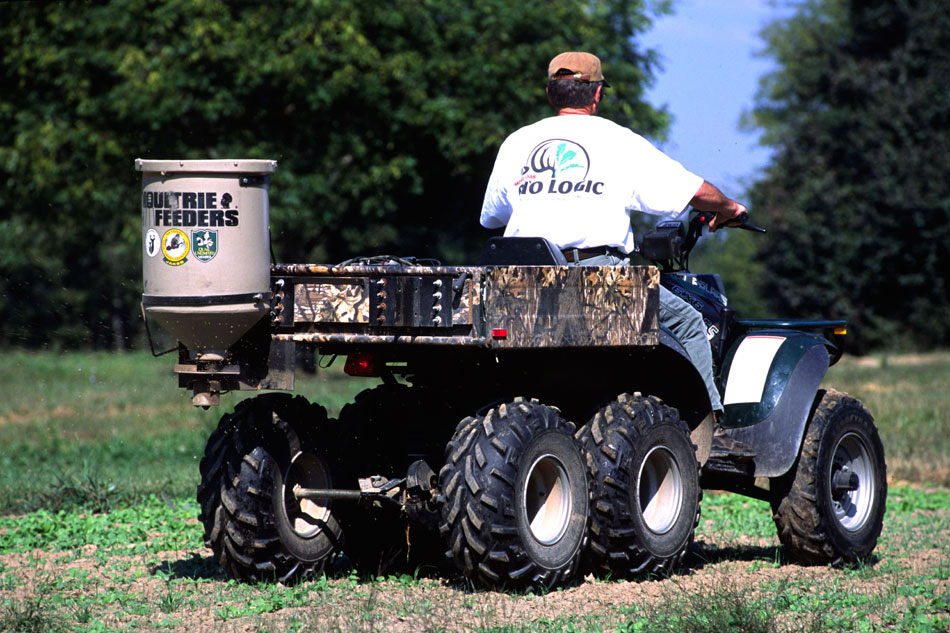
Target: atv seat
(521, 251)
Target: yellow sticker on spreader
(175, 247)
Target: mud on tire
(516, 497)
(252, 522)
(645, 493)
(829, 508)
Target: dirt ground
(183, 591)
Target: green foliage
(29, 616)
(721, 609)
(731, 254)
(385, 119)
(856, 197)
(131, 527)
(908, 397)
(98, 431)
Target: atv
(532, 419)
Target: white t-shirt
(575, 179)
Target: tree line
(385, 119)
(856, 195)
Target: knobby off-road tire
(645, 494)
(378, 427)
(252, 522)
(516, 497)
(829, 509)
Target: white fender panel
(750, 369)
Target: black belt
(587, 253)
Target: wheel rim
(305, 517)
(851, 482)
(660, 488)
(547, 501)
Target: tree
(856, 197)
(384, 119)
(732, 255)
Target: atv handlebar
(669, 245)
(704, 217)
(701, 219)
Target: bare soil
(159, 598)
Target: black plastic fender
(682, 384)
(687, 392)
(770, 380)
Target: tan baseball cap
(583, 66)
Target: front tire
(253, 523)
(829, 509)
(645, 493)
(516, 498)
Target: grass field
(98, 467)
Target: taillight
(360, 365)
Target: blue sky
(710, 73)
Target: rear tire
(829, 508)
(378, 427)
(645, 494)
(516, 499)
(252, 522)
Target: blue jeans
(684, 321)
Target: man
(574, 179)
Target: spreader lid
(217, 166)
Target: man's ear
(596, 102)
(548, 95)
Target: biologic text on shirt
(569, 165)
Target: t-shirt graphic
(576, 179)
(557, 166)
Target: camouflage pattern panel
(466, 298)
(336, 300)
(575, 306)
(326, 338)
(327, 270)
(372, 297)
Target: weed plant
(29, 616)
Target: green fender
(770, 379)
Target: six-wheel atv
(534, 419)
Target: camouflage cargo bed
(513, 307)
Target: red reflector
(360, 365)
(499, 332)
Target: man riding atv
(574, 178)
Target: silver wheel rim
(660, 490)
(546, 502)
(851, 481)
(305, 517)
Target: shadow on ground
(198, 567)
(701, 554)
(195, 567)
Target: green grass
(145, 564)
(909, 397)
(98, 530)
(99, 430)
